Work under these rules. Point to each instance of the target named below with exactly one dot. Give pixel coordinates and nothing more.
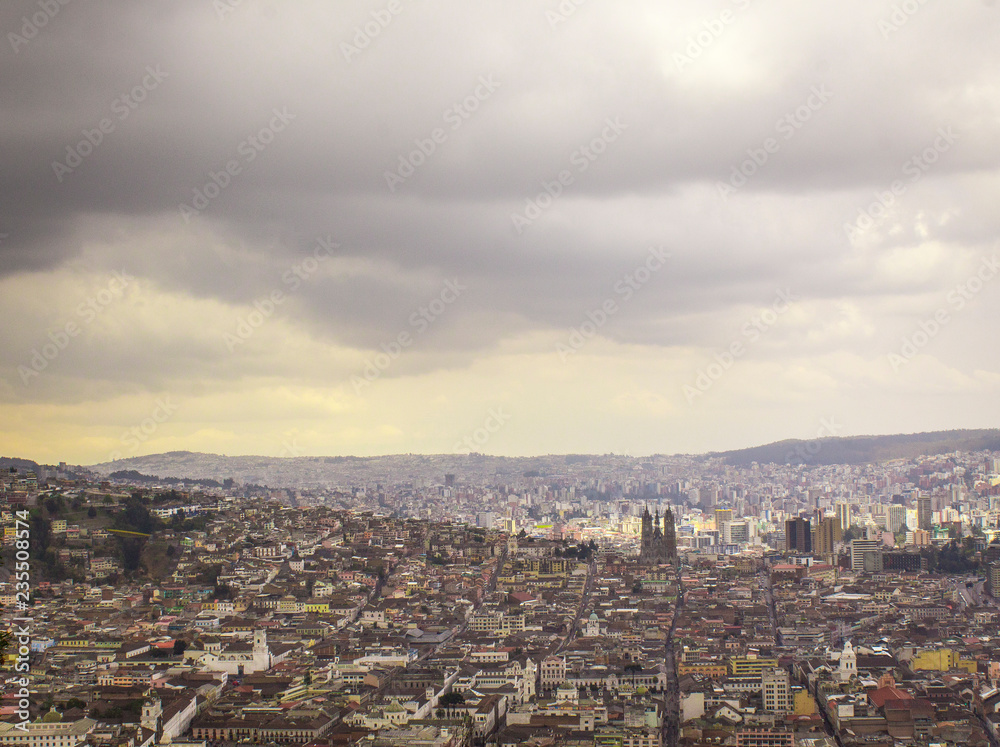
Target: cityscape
(607, 600)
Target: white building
(46, 734)
(238, 658)
(553, 672)
(848, 663)
(777, 690)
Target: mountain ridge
(317, 471)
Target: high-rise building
(828, 534)
(993, 580)
(924, 512)
(859, 548)
(798, 535)
(918, 537)
(843, 514)
(897, 518)
(735, 533)
(722, 515)
(776, 689)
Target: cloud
(117, 116)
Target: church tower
(152, 715)
(261, 652)
(646, 538)
(848, 663)
(669, 535)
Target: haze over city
(376, 228)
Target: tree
(452, 698)
(179, 646)
(91, 512)
(854, 532)
(134, 517)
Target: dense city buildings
(608, 601)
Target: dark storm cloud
(514, 100)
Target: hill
(424, 469)
(864, 449)
(344, 471)
(22, 465)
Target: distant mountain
(430, 469)
(348, 471)
(864, 449)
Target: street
(670, 731)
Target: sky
(519, 227)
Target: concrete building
(798, 535)
(49, 734)
(776, 689)
(897, 518)
(924, 512)
(859, 549)
(828, 534)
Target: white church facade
(239, 658)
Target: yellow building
(942, 660)
(742, 666)
(712, 669)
